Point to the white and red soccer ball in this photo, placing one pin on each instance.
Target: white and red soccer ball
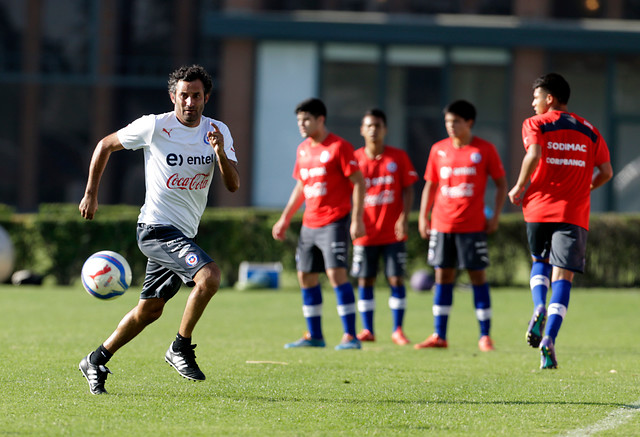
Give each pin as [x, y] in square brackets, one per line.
[106, 275]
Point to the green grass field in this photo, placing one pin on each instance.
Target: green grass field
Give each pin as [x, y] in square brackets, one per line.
[255, 387]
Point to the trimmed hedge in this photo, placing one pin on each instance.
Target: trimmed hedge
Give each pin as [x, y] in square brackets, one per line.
[55, 242]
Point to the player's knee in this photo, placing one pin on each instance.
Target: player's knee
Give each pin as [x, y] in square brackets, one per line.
[208, 279]
[149, 313]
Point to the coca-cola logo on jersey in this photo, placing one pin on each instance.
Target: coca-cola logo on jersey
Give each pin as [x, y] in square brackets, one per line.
[196, 182]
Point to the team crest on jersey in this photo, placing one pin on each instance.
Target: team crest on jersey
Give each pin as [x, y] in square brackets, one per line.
[192, 259]
[476, 157]
[206, 138]
[324, 156]
[392, 167]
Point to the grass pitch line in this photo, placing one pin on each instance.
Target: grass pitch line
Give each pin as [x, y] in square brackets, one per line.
[612, 421]
[267, 362]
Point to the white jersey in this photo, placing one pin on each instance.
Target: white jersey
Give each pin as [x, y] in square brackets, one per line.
[179, 164]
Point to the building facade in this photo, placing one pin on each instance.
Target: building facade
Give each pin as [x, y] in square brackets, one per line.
[76, 70]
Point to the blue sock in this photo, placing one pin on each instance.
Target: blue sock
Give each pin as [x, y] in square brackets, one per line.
[561, 291]
[442, 301]
[346, 307]
[482, 303]
[397, 304]
[539, 282]
[366, 306]
[312, 310]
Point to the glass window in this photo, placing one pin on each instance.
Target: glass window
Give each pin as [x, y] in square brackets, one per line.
[10, 153]
[626, 167]
[11, 27]
[587, 76]
[349, 86]
[480, 75]
[66, 38]
[627, 85]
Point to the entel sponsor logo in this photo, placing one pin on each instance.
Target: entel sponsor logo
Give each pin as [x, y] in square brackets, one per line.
[381, 180]
[173, 159]
[196, 182]
[567, 146]
[306, 173]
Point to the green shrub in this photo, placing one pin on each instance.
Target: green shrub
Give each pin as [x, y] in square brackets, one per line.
[55, 242]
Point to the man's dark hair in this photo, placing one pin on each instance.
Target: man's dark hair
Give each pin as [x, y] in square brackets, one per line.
[555, 85]
[461, 108]
[313, 106]
[378, 113]
[190, 73]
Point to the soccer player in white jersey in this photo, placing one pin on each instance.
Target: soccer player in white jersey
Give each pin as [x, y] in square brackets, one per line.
[181, 148]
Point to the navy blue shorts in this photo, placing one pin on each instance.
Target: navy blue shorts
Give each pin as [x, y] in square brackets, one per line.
[323, 248]
[467, 251]
[367, 258]
[564, 244]
[173, 259]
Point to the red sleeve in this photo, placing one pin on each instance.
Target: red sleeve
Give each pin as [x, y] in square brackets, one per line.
[348, 161]
[531, 133]
[602, 151]
[409, 174]
[431, 172]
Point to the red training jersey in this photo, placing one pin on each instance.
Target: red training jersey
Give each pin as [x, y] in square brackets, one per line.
[324, 171]
[460, 175]
[560, 190]
[385, 176]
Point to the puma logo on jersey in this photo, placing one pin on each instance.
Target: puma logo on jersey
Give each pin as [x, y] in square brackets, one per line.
[168, 132]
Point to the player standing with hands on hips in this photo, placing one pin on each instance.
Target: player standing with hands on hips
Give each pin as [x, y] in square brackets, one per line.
[389, 178]
[562, 151]
[181, 150]
[328, 181]
[457, 172]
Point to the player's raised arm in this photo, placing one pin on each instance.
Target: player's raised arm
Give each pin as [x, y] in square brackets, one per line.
[89, 203]
[228, 168]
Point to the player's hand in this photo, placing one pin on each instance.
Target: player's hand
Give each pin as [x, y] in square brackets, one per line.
[279, 230]
[516, 194]
[492, 225]
[357, 229]
[88, 207]
[401, 229]
[216, 139]
[424, 227]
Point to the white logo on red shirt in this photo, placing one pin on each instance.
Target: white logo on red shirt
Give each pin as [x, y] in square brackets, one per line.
[324, 156]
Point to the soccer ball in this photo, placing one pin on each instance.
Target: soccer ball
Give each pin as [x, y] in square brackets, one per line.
[106, 275]
[422, 280]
